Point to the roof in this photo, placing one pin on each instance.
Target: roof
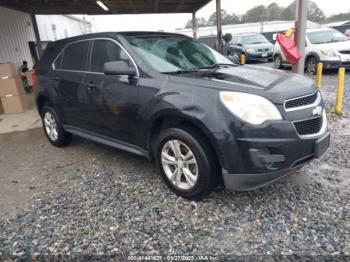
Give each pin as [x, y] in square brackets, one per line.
[114, 6]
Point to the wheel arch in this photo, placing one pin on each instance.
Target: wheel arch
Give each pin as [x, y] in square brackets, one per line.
[168, 120]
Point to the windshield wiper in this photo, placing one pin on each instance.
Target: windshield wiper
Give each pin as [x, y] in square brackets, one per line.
[178, 72]
[217, 65]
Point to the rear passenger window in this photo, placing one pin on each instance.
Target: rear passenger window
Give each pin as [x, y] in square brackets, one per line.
[75, 56]
[106, 51]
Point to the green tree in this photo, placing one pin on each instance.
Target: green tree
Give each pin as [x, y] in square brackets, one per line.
[256, 14]
[200, 22]
[338, 17]
[314, 13]
[273, 12]
[227, 19]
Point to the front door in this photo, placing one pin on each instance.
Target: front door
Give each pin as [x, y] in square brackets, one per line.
[113, 99]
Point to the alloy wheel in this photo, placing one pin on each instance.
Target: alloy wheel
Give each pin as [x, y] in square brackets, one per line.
[311, 66]
[179, 164]
[50, 126]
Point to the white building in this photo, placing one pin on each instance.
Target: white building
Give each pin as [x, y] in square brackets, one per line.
[263, 27]
[17, 38]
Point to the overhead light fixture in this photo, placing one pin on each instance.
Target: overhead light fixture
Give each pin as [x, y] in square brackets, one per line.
[102, 5]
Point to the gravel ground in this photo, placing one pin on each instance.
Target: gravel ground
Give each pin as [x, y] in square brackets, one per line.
[95, 200]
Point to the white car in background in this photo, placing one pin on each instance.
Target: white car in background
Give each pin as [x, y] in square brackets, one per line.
[325, 45]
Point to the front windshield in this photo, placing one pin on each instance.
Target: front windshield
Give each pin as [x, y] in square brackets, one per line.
[172, 53]
[254, 39]
[326, 36]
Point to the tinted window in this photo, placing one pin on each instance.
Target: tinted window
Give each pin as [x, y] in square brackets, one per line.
[254, 39]
[75, 56]
[106, 51]
[234, 40]
[58, 62]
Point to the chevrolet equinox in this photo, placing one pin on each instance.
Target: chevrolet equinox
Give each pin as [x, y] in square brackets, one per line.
[169, 98]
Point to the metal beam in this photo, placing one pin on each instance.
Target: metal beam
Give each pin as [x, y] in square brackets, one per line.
[219, 25]
[37, 36]
[194, 25]
[300, 26]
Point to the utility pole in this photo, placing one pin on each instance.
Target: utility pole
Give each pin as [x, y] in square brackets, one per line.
[300, 26]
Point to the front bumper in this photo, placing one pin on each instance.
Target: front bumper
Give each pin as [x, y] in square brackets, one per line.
[331, 64]
[259, 56]
[282, 159]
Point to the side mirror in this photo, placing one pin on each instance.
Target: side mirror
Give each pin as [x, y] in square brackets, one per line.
[227, 37]
[239, 44]
[119, 68]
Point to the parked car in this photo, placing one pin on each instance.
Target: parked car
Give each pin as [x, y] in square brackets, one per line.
[255, 47]
[325, 45]
[171, 99]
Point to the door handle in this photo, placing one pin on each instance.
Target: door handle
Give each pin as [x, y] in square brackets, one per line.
[91, 85]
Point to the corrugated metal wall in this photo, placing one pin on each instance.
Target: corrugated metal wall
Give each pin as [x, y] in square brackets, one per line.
[16, 30]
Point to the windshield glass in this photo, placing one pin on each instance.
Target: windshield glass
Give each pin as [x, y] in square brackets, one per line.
[254, 39]
[329, 36]
[168, 53]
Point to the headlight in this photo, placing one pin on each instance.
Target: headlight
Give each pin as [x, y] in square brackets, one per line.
[253, 109]
[327, 52]
[250, 50]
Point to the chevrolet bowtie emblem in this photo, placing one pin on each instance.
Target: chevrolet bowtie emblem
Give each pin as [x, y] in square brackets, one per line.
[317, 111]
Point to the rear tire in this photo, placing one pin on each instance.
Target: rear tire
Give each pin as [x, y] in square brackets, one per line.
[53, 128]
[186, 162]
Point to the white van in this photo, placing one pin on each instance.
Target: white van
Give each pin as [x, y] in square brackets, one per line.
[325, 45]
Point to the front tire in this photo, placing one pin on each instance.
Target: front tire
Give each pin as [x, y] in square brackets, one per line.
[186, 163]
[311, 65]
[277, 62]
[53, 128]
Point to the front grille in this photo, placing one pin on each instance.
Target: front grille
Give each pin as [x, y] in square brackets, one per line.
[347, 52]
[301, 101]
[263, 50]
[309, 127]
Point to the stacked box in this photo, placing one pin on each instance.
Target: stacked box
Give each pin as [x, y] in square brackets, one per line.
[13, 97]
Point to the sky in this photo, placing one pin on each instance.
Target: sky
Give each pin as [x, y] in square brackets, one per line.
[170, 22]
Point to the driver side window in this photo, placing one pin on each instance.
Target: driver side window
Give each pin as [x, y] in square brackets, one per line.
[106, 51]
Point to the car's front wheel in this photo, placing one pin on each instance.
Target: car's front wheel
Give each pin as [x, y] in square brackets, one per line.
[186, 163]
[311, 65]
[277, 61]
[53, 128]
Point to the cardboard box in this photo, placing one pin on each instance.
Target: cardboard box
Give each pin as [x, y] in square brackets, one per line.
[11, 86]
[14, 104]
[31, 78]
[8, 70]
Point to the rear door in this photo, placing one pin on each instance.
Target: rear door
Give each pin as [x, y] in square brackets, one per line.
[69, 72]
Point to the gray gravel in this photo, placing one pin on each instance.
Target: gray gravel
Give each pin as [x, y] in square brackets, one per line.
[104, 209]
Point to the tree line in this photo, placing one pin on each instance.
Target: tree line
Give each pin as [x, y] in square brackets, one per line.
[271, 12]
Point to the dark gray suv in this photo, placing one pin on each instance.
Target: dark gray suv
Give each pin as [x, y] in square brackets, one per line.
[171, 99]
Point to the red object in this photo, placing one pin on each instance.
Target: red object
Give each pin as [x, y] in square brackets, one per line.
[289, 47]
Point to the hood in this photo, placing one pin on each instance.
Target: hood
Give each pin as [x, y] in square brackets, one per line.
[345, 45]
[259, 46]
[273, 84]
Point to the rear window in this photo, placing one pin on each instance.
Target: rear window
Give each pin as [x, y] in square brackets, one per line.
[74, 57]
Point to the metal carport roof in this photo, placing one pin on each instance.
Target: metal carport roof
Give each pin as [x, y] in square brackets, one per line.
[114, 6]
